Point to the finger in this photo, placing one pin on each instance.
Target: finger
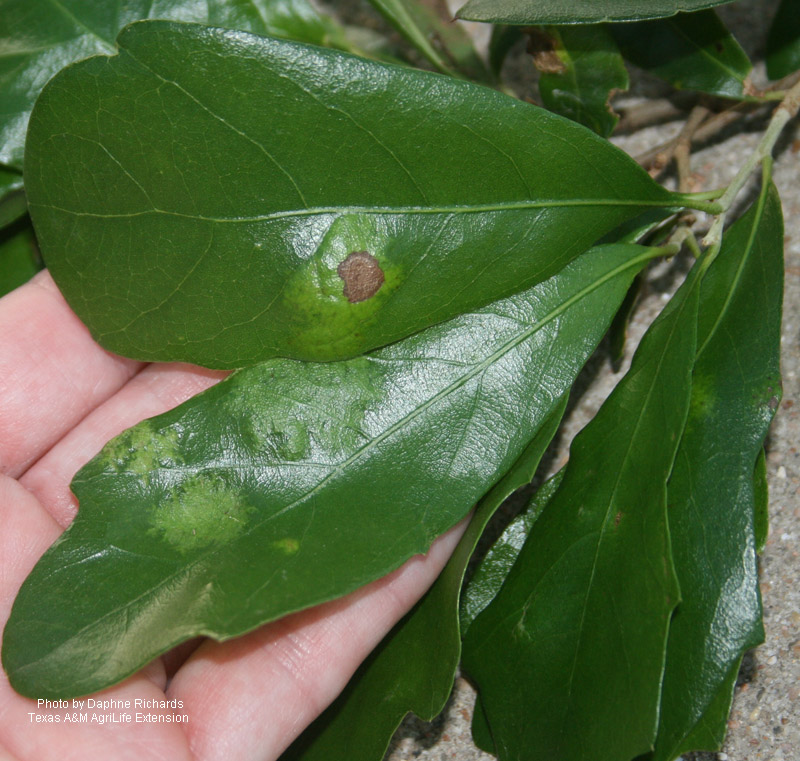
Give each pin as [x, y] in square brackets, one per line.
[252, 696]
[27, 532]
[51, 372]
[154, 390]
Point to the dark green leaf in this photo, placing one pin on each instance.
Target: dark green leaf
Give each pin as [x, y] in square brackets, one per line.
[40, 37]
[428, 26]
[581, 68]
[288, 483]
[691, 51]
[709, 732]
[12, 197]
[735, 390]
[184, 220]
[414, 667]
[576, 12]
[19, 260]
[618, 332]
[502, 40]
[493, 568]
[486, 581]
[761, 499]
[575, 638]
[783, 41]
[481, 731]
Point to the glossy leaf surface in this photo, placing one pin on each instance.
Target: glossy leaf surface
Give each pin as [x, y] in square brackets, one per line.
[690, 51]
[428, 26]
[576, 12]
[576, 636]
[494, 566]
[579, 74]
[223, 235]
[735, 391]
[485, 582]
[40, 37]
[413, 669]
[761, 498]
[709, 732]
[783, 41]
[288, 483]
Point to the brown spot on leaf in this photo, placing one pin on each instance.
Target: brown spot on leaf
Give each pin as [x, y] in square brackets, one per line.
[362, 275]
[542, 47]
[617, 519]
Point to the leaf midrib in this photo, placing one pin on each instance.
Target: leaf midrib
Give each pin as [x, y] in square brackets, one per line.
[400, 210]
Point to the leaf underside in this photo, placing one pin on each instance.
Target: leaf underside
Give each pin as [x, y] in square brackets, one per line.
[287, 484]
[527, 12]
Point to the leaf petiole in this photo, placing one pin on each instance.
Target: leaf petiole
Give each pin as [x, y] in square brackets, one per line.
[762, 155]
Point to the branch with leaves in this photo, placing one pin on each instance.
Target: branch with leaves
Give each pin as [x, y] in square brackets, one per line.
[407, 271]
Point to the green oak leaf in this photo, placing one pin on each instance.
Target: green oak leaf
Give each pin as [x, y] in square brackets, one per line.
[576, 636]
[690, 51]
[428, 27]
[502, 39]
[709, 731]
[185, 219]
[413, 669]
[735, 391]
[19, 256]
[783, 40]
[527, 12]
[489, 575]
[493, 568]
[581, 69]
[12, 197]
[39, 37]
[761, 499]
[287, 484]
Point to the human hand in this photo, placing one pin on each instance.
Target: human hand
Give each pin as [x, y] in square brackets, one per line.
[61, 398]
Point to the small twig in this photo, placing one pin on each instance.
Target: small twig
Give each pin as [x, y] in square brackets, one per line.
[711, 127]
[647, 114]
[786, 111]
[683, 147]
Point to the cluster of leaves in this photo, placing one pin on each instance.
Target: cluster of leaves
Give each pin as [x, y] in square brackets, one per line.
[407, 271]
